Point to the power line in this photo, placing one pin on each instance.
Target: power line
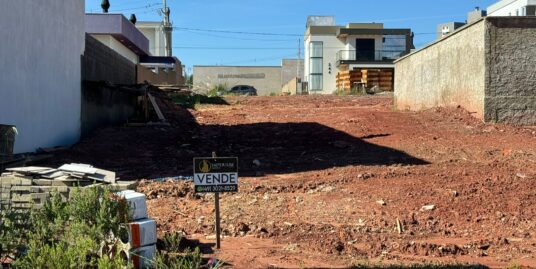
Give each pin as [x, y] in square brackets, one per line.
[241, 38]
[232, 48]
[233, 32]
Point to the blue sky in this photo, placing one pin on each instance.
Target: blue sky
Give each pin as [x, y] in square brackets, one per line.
[280, 17]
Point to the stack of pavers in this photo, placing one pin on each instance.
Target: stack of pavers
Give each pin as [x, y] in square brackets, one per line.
[142, 237]
[27, 187]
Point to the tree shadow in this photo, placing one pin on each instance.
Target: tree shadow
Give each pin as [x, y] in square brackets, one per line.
[280, 148]
[262, 148]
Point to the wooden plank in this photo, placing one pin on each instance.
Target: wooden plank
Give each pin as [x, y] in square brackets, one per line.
[156, 108]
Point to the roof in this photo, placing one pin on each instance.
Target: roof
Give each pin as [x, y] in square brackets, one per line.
[120, 28]
[369, 31]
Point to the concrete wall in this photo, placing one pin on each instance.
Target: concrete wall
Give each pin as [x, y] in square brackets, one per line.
[40, 89]
[105, 106]
[289, 70]
[511, 76]
[100, 63]
[266, 79]
[448, 72]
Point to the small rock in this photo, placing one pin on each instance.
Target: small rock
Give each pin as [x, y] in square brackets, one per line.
[381, 202]
[288, 224]
[521, 175]
[428, 207]
[266, 196]
[299, 199]
[328, 189]
[200, 220]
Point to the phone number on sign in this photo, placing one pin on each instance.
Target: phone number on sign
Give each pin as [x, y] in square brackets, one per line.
[217, 188]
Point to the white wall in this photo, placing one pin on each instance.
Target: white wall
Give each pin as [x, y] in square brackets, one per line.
[331, 45]
[40, 71]
[155, 34]
[509, 7]
[112, 43]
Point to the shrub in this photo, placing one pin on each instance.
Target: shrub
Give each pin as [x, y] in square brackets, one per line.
[69, 234]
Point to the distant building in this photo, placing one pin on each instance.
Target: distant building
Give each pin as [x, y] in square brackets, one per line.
[266, 79]
[476, 15]
[513, 8]
[447, 28]
[154, 31]
[331, 49]
[158, 68]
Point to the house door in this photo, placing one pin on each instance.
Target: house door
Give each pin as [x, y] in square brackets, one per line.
[365, 49]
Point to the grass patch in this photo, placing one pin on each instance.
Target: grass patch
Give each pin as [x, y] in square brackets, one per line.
[193, 100]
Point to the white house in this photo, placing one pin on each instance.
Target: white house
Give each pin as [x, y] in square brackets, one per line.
[513, 8]
[40, 89]
[154, 31]
[330, 48]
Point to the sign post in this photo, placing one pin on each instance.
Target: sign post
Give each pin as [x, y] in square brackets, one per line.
[216, 175]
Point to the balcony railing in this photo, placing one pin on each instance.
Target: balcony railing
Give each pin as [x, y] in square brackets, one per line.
[351, 56]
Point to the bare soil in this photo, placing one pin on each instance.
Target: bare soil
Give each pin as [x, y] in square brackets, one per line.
[325, 180]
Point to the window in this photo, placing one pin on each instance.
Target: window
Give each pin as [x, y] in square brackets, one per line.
[316, 62]
[530, 11]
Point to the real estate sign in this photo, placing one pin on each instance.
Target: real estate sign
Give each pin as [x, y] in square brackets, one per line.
[216, 174]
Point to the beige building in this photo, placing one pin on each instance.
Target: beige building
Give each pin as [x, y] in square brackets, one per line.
[266, 79]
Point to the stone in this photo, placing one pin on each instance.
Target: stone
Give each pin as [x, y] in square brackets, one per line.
[428, 207]
[381, 202]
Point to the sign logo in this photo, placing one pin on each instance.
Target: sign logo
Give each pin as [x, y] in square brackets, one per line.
[205, 166]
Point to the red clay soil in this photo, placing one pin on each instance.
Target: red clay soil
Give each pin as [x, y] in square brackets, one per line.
[324, 180]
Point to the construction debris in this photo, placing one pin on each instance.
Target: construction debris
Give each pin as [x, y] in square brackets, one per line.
[27, 187]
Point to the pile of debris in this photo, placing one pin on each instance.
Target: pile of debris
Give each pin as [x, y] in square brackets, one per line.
[27, 187]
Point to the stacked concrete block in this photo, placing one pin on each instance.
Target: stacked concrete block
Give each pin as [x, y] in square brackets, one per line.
[30, 187]
[141, 230]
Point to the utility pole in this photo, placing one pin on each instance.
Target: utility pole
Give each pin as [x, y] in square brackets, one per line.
[299, 58]
[168, 29]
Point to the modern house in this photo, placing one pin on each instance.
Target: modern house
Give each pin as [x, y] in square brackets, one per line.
[513, 8]
[119, 34]
[333, 51]
[40, 91]
[159, 68]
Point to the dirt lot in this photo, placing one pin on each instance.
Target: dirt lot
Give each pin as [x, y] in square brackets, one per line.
[324, 180]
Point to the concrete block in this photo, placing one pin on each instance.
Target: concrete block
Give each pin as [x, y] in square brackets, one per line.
[21, 188]
[26, 182]
[42, 182]
[40, 196]
[142, 233]
[142, 257]
[21, 198]
[24, 205]
[136, 202]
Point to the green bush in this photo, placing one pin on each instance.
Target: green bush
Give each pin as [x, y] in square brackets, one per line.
[218, 90]
[69, 234]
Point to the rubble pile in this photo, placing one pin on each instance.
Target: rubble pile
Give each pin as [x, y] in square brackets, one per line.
[27, 187]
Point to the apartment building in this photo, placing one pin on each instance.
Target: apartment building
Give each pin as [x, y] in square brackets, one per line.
[331, 49]
[513, 8]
